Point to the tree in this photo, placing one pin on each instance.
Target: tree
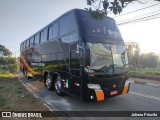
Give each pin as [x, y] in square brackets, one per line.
[7, 62]
[133, 52]
[137, 60]
[4, 51]
[149, 60]
[100, 8]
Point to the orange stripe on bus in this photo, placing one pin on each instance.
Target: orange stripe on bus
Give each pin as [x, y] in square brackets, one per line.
[100, 95]
[26, 64]
[125, 90]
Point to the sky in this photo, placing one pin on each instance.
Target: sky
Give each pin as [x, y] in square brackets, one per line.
[19, 19]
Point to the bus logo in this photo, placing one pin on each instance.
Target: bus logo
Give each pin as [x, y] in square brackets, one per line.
[6, 114]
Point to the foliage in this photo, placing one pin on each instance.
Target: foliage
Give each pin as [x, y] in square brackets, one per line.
[4, 51]
[133, 51]
[137, 60]
[8, 63]
[149, 60]
[2, 71]
[12, 67]
[100, 8]
[145, 72]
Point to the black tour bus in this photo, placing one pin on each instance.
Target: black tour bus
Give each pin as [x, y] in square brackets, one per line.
[78, 55]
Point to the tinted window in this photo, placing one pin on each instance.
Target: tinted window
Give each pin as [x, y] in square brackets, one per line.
[105, 27]
[55, 30]
[67, 24]
[27, 43]
[37, 39]
[74, 57]
[41, 37]
[31, 41]
[50, 32]
[21, 46]
[74, 60]
[45, 35]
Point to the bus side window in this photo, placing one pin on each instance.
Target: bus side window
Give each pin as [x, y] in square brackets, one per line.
[31, 41]
[21, 47]
[37, 38]
[41, 37]
[50, 29]
[67, 24]
[27, 43]
[55, 30]
[74, 60]
[45, 35]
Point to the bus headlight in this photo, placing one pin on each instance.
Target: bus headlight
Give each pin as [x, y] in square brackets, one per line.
[94, 86]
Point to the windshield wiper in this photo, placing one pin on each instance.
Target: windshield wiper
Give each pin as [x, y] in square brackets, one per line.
[101, 72]
[123, 58]
[107, 69]
[96, 70]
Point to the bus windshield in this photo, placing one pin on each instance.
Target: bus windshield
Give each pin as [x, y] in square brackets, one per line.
[107, 58]
[105, 27]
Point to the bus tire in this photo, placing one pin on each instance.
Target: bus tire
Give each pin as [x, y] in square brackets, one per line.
[26, 73]
[49, 82]
[58, 86]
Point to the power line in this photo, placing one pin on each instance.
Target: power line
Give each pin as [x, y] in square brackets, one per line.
[142, 20]
[139, 21]
[139, 16]
[138, 10]
[149, 17]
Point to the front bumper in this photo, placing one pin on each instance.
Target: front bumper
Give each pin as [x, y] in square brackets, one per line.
[103, 93]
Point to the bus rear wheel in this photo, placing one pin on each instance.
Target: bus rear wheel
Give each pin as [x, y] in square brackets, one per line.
[26, 73]
[49, 82]
[58, 86]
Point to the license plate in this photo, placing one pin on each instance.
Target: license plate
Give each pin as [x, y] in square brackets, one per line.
[114, 92]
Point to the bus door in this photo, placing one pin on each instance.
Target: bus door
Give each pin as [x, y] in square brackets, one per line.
[75, 61]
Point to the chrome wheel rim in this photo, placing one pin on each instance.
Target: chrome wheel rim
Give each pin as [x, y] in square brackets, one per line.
[48, 81]
[25, 73]
[58, 85]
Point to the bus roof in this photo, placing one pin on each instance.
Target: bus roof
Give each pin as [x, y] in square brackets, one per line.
[73, 11]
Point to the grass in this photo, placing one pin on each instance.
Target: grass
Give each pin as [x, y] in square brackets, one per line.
[2, 71]
[145, 72]
[15, 97]
[3, 101]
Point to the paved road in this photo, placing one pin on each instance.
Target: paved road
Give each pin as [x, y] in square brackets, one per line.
[140, 98]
